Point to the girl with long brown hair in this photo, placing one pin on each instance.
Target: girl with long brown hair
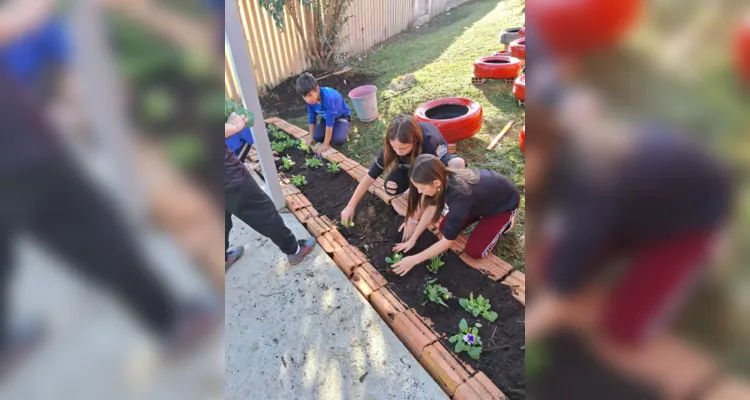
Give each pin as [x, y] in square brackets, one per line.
[405, 140]
[469, 195]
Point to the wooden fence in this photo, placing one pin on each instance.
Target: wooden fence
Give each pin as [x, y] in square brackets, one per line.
[278, 55]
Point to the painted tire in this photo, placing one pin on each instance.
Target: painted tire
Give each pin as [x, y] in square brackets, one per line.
[522, 139]
[522, 32]
[505, 53]
[518, 48]
[742, 51]
[497, 67]
[509, 35]
[519, 88]
[573, 28]
[457, 118]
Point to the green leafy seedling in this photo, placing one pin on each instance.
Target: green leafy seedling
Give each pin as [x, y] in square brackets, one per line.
[468, 339]
[436, 293]
[278, 146]
[394, 259]
[435, 264]
[299, 180]
[347, 225]
[303, 146]
[313, 162]
[277, 133]
[478, 306]
[333, 167]
[287, 163]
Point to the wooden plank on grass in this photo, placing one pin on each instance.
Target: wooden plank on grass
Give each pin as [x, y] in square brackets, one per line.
[500, 135]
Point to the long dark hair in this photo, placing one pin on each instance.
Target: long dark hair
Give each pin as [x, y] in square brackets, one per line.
[405, 129]
[426, 169]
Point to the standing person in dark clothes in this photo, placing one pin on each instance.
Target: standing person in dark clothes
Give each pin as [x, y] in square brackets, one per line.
[469, 195]
[405, 140]
[333, 128]
[248, 202]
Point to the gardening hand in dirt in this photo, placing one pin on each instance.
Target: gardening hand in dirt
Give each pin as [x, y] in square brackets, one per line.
[405, 265]
[347, 215]
[405, 246]
[322, 148]
[408, 228]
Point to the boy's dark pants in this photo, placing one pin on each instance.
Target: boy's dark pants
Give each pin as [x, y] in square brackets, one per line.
[248, 202]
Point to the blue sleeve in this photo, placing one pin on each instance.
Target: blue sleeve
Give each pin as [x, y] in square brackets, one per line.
[57, 42]
[311, 117]
[331, 112]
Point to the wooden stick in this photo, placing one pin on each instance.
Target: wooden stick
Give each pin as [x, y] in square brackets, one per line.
[345, 70]
[500, 135]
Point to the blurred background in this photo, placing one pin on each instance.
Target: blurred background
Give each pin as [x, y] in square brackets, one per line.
[683, 63]
[117, 97]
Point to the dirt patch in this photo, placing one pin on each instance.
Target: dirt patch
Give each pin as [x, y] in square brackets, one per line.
[283, 101]
[571, 372]
[376, 232]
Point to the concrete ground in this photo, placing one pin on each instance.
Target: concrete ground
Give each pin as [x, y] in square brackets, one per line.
[305, 332]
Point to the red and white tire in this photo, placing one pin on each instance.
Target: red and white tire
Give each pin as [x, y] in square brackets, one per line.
[522, 139]
[464, 117]
[518, 48]
[519, 88]
[497, 67]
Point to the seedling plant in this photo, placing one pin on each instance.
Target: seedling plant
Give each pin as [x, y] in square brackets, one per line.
[303, 146]
[436, 293]
[394, 259]
[313, 162]
[299, 180]
[277, 133]
[349, 224]
[468, 339]
[478, 306]
[435, 264]
[287, 163]
[333, 168]
[278, 146]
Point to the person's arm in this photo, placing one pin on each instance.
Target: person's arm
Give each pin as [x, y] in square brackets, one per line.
[230, 130]
[330, 116]
[427, 216]
[311, 119]
[20, 16]
[364, 184]
[235, 123]
[375, 171]
[407, 263]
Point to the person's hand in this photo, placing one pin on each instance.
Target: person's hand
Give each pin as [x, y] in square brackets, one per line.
[405, 246]
[237, 120]
[347, 214]
[403, 267]
[408, 228]
[322, 148]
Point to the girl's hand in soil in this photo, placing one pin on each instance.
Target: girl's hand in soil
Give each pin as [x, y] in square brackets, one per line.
[405, 265]
[347, 214]
[408, 228]
[404, 247]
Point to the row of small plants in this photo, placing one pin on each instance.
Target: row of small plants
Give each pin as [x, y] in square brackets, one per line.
[468, 337]
[281, 142]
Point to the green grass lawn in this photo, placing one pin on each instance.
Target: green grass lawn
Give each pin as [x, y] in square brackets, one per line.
[440, 55]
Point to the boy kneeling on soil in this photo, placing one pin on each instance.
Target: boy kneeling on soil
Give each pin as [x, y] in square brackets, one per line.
[469, 195]
[405, 140]
[333, 127]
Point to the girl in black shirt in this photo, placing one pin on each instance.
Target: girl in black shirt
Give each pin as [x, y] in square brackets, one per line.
[470, 196]
[404, 141]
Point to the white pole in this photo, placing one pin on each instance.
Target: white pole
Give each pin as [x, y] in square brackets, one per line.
[248, 90]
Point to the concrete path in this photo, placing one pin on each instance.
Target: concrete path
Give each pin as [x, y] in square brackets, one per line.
[305, 332]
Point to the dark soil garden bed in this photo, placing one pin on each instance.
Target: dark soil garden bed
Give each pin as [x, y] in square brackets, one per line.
[283, 101]
[375, 233]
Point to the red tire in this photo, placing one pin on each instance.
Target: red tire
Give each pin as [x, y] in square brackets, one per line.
[505, 53]
[573, 28]
[497, 67]
[522, 139]
[523, 31]
[457, 118]
[519, 88]
[742, 51]
[518, 48]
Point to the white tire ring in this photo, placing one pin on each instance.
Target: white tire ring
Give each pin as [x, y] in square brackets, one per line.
[509, 35]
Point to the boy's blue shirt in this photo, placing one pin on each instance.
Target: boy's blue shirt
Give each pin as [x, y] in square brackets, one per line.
[332, 106]
[28, 56]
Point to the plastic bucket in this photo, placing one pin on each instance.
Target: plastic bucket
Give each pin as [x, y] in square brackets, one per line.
[365, 101]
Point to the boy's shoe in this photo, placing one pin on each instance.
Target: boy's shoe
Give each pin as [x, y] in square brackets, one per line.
[233, 255]
[305, 247]
[196, 321]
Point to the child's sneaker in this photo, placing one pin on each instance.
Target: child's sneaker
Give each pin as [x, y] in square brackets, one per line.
[233, 255]
[305, 247]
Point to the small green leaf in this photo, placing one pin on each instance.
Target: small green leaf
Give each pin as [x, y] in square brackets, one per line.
[441, 302]
[463, 325]
[464, 303]
[460, 346]
[389, 260]
[478, 325]
[490, 316]
[475, 331]
[475, 352]
[452, 339]
[475, 312]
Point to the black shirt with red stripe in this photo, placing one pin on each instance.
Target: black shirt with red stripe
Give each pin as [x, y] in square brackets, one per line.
[492, 194]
